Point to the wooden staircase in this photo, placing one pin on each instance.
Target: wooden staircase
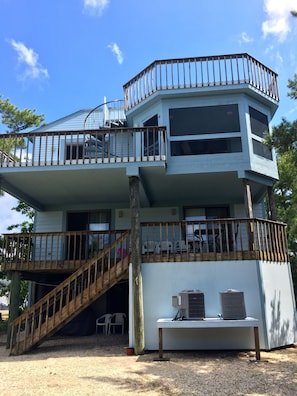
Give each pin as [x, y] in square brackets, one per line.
[70, 297]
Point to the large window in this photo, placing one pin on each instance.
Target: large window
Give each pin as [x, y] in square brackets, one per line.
[262, 149]
[206, 146]
[259, 123]
[259, 128]
[204, 120]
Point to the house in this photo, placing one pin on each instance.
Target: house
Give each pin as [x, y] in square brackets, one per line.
[172, 179]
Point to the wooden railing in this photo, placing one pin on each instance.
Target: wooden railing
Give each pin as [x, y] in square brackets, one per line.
[63, 251]
[111, 145]
[219, 239]
[199, 72]
[69, 298]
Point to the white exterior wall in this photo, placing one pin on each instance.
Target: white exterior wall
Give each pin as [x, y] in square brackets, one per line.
[48, 221]
[51, 248]
[258, 210]
[161, 281]
[278, 303]
[123, 216]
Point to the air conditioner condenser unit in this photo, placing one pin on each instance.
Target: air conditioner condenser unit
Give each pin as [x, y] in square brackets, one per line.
[232, 304]
[191, 304]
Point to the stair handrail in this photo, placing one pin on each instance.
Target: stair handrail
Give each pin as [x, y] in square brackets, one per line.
[15, 325]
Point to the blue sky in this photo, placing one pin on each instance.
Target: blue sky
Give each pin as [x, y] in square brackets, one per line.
[59, 56]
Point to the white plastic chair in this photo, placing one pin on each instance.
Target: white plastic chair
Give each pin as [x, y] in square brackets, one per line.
[149, 247]
[164, 247]
[104, 322]
[118, 319]
[181, 246]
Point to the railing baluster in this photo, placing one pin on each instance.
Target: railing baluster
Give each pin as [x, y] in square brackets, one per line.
[237, 68]
[213, 72]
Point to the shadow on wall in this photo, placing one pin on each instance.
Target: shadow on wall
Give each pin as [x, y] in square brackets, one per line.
[279, 329]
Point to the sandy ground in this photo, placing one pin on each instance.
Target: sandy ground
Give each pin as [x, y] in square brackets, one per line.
[99, 365]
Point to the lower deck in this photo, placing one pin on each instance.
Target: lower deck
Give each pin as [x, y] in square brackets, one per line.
[183, 241]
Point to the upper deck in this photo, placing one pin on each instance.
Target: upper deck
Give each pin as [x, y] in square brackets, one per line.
[186, 146]
[199, 73]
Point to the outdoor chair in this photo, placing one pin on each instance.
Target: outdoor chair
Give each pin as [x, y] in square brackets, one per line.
[104, 322]
[149, 247]
[164, 247]
[180, 246]
[118, 319]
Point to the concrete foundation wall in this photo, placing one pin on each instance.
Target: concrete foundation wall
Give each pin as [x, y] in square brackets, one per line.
[268, 297]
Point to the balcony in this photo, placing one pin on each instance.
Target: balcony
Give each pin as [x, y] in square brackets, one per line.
[199, 73]
[102, 146]
[60, 251]
[205, 240]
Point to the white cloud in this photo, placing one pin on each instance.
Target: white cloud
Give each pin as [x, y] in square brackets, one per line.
[275, 56]
[95, 7]
[245, 38]
[269, 49]
[117, 52]
[9, 217]
[292, 110]
[29, 59]
[279, 58]
[279, 18]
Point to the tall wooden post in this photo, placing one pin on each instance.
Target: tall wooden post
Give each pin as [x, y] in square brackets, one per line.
[247, 198]
[136, 266]
[14, 302]
[271, 203]
[249, 211]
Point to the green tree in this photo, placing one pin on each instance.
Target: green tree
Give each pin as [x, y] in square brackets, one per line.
[284, 140]
[26, 225]
[17, 120]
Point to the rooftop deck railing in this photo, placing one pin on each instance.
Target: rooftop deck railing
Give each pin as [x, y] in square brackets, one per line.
[199, 72]
[111, 145]
[203, 240]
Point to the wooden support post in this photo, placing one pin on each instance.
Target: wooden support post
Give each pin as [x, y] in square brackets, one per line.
[14, 302]
[271, 203]
[249, 211]
[136, 266]
[257, 342]
[160, 343]
[247, 198]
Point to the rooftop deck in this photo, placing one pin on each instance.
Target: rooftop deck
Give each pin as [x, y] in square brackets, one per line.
[200, 72]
